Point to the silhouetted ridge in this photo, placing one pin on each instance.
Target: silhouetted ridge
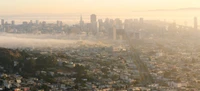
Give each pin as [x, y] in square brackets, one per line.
[9, 53]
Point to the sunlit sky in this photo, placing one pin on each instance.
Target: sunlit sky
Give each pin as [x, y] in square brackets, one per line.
[9, 7]
[72, 9]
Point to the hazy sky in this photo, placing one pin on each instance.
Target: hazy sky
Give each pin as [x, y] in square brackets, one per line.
[9, 7]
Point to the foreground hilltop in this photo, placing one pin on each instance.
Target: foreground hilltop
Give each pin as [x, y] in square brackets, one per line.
[8, 56]
[9, 53]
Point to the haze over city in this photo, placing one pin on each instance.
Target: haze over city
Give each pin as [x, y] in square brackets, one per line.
[99, 45]
[71, 10]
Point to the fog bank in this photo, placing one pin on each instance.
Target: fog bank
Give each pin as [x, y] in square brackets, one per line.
[37, 41]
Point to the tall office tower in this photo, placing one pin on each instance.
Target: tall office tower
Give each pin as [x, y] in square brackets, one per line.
[107, 24]
[141, 20]
[127, 24]
[81, 23]
[58, 23]
[112, 21]
[100, 25]
[119, 24]
[195, 23]
[31, 22]
[2, 22]
[24, 23]
[61, 26]
[114, 31]
[13, 22]
[61, 23]
[93, 20]
[141, 23]
[107, 21]
[37, 22]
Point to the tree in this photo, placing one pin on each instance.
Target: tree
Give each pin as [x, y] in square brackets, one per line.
[29, 65]
[45, 87]
[45, 61]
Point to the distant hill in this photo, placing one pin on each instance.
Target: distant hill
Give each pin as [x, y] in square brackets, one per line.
[179, 9]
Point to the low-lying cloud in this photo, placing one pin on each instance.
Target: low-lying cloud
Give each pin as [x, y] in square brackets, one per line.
[36, 41]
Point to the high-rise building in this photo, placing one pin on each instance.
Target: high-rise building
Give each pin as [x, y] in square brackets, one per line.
[44, 23]
[81, 23]
[141, 20]
[2, 22]
[100, 25]
[61, 23]
[25, 23]
[13, 22]
[31, 22]
[107, 25]
[119, 24]
[195, 23]
[107, 21]
[114, 31]
[58, 23]
[93, 18]
[37, 21]
[128, 24]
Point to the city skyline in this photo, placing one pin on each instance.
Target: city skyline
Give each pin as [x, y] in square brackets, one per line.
[99, 45]
[87, 19]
